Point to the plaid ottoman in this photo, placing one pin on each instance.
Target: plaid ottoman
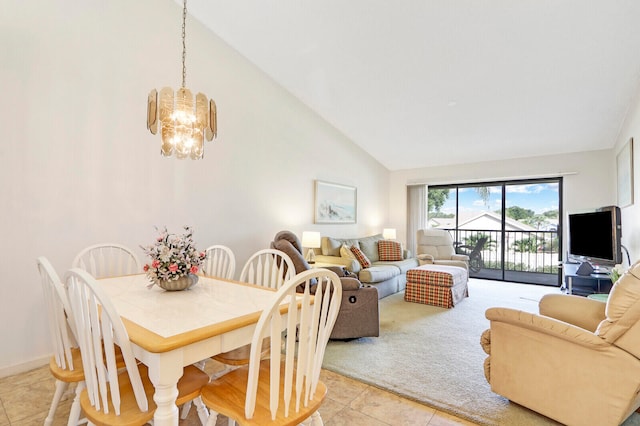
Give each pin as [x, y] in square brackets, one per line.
[436, 285]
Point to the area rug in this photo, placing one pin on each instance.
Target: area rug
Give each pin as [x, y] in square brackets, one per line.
[433, 355]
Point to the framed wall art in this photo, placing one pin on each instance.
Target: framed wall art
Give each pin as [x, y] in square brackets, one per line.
[335, 203]
[624, 167]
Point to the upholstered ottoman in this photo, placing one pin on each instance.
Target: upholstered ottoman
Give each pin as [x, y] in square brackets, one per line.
[436, 285]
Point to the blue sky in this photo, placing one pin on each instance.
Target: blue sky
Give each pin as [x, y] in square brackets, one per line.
[539, 197]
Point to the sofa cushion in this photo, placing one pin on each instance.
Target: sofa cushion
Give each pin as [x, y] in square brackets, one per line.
[376, 274]
[345, 251]
[402, 265]
[389, 251]
[362, 258]
[330, 246]
[623, 305]
[369, 246]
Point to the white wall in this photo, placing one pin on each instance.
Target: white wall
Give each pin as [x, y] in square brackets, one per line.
[631, 214]
[79, 166]
[589, 181]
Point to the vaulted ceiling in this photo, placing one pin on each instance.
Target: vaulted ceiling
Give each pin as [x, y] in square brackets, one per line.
[418, 83]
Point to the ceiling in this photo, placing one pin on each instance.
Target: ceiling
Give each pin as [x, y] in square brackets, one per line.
[423, 82]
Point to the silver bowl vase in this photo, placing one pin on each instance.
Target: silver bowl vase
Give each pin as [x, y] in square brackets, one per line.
[182, 283]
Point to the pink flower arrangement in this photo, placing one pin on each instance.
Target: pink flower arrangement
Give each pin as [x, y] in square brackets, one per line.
[172, 256]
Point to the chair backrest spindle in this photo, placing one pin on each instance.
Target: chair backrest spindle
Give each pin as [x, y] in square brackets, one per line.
[268, 268]
[219, 262]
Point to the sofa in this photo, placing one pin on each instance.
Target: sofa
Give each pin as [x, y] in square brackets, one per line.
[387, 276]
[358, 315]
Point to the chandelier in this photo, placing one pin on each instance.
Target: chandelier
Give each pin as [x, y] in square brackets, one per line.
[184, 123]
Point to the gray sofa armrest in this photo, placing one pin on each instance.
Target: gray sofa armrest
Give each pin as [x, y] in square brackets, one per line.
[350, 264]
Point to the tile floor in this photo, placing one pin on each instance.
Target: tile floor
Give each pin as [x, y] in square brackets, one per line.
[25, 399]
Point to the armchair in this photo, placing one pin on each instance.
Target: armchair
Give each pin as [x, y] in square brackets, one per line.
[578, 362]
[436, 246]
[358, 315]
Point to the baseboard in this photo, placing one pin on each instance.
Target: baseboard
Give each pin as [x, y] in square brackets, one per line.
[24, 367]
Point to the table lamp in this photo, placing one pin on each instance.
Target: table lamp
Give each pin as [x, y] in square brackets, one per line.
[311, 240]
[389, 233]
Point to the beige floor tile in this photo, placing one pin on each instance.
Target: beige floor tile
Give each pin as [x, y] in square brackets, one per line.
[9, 384]
[4, 420]
[443, 419]
[340, 388]
[34, 397]
[350, 417]
[392, 409]
[330, 407]
[193, 419]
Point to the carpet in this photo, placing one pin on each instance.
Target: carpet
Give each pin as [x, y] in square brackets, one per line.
[433, 355]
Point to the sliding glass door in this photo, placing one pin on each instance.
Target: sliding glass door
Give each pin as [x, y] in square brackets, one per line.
[510, 230]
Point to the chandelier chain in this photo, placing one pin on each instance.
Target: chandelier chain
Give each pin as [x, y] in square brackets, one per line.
[184, 45]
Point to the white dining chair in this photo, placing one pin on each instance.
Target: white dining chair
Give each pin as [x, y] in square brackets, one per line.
[219, 262]
[112, 395]
[107, 260]
[65, 364]
[268, 268]
[286, 388]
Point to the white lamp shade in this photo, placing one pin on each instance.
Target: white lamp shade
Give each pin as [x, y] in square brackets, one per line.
[388, 234]
[311, 239]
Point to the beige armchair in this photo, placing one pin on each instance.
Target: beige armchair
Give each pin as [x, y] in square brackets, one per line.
[436, 246]
[578, 362]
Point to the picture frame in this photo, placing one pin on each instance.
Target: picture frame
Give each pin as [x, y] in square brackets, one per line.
[335, 203]
[624, 168]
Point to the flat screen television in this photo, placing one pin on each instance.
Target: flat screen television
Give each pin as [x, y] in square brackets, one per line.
[594, 237]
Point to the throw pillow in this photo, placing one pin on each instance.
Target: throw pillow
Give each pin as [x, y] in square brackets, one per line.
[369, 246]
[345, 251]
[389, 251]
[362, 259]
[330, 246]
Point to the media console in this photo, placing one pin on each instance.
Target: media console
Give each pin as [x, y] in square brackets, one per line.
[584, 285]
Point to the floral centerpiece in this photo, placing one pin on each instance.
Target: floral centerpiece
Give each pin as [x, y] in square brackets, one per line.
[174, 260]
[616, 273]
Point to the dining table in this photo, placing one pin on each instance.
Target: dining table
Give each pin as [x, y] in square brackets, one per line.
[169, 330]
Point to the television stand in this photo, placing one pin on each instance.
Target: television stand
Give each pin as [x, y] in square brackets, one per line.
[584, 285]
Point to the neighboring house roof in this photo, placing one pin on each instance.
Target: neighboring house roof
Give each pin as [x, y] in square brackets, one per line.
[482, 221]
